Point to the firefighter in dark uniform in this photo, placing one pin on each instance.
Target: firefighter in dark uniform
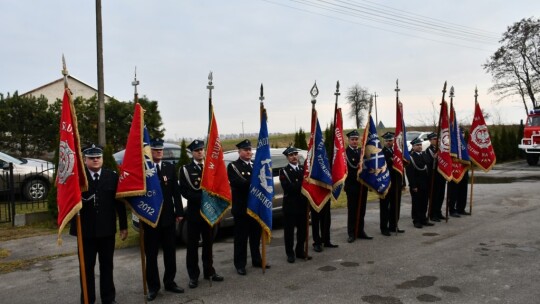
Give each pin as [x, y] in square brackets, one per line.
[98, 222]
[190, 186]
[295, 206]
[457, 195]
[439, 183]
[245, 227]
[390, 205]
[164, 234]
[353, 188]
[418, 175]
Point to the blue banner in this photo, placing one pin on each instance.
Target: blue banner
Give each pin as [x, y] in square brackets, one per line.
[405, 150]
[458, 146]
[374, 174]
[320, 173]
[148, 207]
[261, 189]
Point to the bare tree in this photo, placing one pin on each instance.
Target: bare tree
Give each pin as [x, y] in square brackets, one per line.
[515, 66]
[358, 98]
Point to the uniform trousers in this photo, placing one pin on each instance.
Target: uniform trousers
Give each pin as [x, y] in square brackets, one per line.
[246, 228]
[299, 221]
[153, 238]
[457, 194]
[352, 211]
[388, 213]
[419, 206]
[320, 225]
[103, 247]
[197, 228]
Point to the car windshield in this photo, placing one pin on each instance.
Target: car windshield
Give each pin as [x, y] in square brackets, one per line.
[534, 121]
[9, 159]
[412, 135]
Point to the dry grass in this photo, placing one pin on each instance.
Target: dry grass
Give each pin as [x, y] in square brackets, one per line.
[11, 266]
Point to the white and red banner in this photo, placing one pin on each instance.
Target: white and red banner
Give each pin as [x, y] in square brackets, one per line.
[479, 145]
[71, 177]
[444, 159]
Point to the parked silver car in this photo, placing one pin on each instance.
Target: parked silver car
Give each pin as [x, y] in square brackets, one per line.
[33, 177]
[171, 153]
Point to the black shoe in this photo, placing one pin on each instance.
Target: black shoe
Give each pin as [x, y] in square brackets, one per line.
[175, 289]
[215, 277]
[290, 259]
[193, 283]
[330, 245]
[435, 219]
[396, 230]
[259, 265]
[151, 296]
[365, 236]
[303, 257]
[417, 225]
[428, 224]
[385, 232]
[350, 239]
[454, 214]
[463, 213]
[317, 248]
[241, 271]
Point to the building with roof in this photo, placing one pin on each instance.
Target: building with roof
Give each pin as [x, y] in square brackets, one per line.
[55, 90]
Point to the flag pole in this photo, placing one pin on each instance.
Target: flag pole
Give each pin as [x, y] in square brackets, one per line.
[472, 163]
[396, 197]
[434, 167]
[135, 83]
[79, 226]
[333, 129]
[210, 87]
[360, 164]
[446, 188]
[314, 92]
[262, 112]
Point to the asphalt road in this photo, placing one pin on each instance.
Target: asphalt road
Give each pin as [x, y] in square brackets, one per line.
[489, 257]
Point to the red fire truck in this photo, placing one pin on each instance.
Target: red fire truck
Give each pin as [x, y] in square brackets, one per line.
[530, 143]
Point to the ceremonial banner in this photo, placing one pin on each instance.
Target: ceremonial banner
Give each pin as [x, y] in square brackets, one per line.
[374, 173]
[139, 182]
[261, 189]
[339, 163]
[71, 176]
[458, 149]
[401, 155]
[216, 191]
[317, 184]
[444, 160]
[479, 145]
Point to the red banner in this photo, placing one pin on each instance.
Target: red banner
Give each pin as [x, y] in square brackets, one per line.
[444, 159]
[71, 177]
[479, 144]
[215, 180]
[339, 163]
[132, 179]
[399, 143]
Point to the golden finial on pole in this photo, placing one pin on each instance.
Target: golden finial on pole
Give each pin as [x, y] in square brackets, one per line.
[64, 71]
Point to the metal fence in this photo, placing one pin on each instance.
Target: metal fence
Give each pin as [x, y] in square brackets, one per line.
[23, 192]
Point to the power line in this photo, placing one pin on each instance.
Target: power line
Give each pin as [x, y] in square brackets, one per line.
[412, 23]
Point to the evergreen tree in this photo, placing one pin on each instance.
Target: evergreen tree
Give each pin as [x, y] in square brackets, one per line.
[184, 157]
[300, 141]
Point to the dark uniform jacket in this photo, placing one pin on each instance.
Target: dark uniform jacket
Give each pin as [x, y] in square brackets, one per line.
[353, 159]
[294, 202]
[172, 201]
[190, 186]
[239, 173]
[395, 178]
[417, 171]
[100, 207]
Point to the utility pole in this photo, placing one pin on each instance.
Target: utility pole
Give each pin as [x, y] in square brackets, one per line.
[101, 90]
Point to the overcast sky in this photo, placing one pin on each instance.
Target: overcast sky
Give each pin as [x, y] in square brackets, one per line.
[286, 45]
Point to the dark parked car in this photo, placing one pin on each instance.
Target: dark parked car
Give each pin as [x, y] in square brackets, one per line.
[33, 177]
